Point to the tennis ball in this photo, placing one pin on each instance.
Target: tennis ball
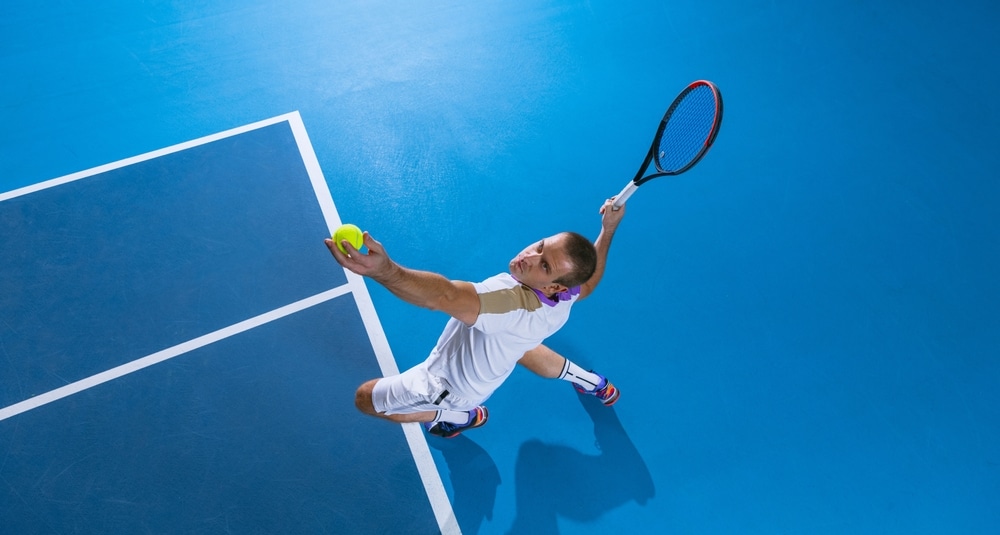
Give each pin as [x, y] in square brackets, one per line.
[348, 232]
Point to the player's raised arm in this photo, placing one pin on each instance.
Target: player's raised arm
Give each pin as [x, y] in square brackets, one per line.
[422, 288]
[610, 218]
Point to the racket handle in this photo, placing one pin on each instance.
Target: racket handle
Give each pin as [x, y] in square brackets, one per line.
[624, 195]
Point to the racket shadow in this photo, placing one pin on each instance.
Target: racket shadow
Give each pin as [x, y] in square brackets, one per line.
[553, 480]
[474, 478]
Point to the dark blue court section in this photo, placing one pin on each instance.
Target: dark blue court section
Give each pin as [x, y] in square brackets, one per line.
[113, 267]
[252, 434]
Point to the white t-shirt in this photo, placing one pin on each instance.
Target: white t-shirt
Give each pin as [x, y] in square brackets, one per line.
[513, 319]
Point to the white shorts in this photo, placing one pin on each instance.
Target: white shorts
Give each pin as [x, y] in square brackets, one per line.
[416, 390]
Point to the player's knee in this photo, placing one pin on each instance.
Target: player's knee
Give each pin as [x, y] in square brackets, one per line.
[363, 398]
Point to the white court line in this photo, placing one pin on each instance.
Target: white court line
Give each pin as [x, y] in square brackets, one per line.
[169, 353]
[440, 504]
[143, 157]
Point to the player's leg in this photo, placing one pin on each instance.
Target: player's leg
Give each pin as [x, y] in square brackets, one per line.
[544, 362]
[363, 401]
[417, 396]
[549, 364]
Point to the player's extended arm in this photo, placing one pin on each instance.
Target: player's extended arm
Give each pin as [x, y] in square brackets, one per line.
[422, 288]
[609, 224]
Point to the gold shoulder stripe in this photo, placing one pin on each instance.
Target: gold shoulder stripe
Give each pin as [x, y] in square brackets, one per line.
[509, 299]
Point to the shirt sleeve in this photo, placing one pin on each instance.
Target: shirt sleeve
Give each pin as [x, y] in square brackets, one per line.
[500, 309]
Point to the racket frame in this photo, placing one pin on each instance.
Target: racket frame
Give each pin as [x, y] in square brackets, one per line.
[651, 155]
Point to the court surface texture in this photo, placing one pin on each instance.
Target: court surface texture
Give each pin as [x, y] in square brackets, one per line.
[804, 327]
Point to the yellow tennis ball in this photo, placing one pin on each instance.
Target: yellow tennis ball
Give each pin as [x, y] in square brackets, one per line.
[351, 233]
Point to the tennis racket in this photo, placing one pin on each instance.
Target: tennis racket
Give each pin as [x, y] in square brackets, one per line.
[686, 132]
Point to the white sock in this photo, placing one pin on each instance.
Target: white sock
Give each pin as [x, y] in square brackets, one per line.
[575, 374]
[453, 417]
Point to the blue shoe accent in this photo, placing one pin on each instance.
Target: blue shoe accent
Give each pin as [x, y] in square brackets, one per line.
[478, 417]
[605, 391]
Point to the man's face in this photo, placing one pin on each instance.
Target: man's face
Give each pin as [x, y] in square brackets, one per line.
[541, 263]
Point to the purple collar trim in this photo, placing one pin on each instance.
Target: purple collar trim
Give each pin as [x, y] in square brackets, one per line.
[555, 299]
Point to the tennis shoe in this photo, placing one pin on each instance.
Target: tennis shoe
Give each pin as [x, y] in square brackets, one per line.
[605, 391]
[478, 417]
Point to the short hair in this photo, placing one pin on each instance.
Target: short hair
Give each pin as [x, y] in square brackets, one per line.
[583, 255]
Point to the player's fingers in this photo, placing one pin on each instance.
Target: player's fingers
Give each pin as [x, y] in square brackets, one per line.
[349, 247]
[332, 246]
[371, 243]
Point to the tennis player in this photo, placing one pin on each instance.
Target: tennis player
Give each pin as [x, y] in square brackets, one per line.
[495, 324]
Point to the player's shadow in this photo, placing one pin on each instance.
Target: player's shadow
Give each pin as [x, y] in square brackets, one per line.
[474, 478]
[552, 480]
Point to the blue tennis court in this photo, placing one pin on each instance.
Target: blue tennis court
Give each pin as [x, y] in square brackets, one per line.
[195, 380]
[804, 327]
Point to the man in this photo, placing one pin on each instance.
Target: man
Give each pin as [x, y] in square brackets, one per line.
[494, 325]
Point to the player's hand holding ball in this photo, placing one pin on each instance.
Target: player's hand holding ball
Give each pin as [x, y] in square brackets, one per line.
[374, 263]
[350, 233]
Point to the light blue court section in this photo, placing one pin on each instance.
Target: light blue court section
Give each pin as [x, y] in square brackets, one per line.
[181, 352]
[804, 327]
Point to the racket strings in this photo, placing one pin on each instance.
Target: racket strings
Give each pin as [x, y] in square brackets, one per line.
[687, 130]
